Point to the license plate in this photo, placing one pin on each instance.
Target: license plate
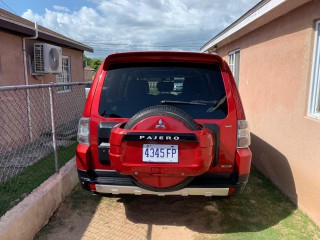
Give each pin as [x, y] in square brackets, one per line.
[160, 153]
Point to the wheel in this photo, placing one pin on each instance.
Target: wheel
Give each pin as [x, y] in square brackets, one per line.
[181, 116]
[162, 110]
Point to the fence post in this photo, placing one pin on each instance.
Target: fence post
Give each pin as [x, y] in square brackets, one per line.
[53, 125]
[29, 115]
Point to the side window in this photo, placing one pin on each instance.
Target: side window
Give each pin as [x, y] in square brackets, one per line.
[65, 75]
[234, 64]
[314, 97]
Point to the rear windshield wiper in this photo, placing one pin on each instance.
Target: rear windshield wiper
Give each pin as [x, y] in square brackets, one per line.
[183, 102]
[218, 104]
[105, 114]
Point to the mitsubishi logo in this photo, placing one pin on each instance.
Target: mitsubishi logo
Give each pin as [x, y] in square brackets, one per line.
[160, 125]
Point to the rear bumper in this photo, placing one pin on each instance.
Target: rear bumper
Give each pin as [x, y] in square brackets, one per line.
[209, 184]
[140, 191]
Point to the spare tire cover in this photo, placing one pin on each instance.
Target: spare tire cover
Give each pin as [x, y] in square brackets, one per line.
[171, 183]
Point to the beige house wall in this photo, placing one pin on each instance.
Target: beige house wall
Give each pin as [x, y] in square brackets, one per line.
[13, 104]
[275, 74]
[11, 58]
[88, 74]
[12, 66]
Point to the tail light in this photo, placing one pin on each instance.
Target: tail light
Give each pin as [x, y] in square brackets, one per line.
[243, 135]
[231, 191]
[83, 131]
[92, 187]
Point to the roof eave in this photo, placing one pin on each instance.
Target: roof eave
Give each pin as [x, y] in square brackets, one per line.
[26, 30]
[262, 13]
[62, 41]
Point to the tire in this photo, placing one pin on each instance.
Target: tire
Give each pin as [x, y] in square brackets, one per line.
[161, 110]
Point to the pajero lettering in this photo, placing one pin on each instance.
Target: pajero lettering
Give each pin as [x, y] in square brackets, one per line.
[160, 138]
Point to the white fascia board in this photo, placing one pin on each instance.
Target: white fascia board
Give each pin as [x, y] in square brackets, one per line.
[44, 32]
[64, 38]
[239, 24]
[15, 22]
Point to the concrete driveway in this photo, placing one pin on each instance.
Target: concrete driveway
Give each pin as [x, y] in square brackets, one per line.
[261, 212]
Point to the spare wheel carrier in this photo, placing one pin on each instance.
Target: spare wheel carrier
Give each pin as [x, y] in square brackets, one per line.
[161, 127]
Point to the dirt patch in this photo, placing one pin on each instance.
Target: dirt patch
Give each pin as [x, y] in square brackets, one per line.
[120, 218]
[261, 212]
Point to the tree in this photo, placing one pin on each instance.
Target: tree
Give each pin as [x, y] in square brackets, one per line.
[92, 62]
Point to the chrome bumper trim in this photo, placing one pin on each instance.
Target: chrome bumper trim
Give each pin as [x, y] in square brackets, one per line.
[208, 192]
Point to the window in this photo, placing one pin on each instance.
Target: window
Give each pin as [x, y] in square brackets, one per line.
[234, 63]
[314, 98]
[197, 89]
[65, 75]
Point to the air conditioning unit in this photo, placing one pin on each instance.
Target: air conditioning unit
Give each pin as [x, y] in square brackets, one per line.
[47, 59]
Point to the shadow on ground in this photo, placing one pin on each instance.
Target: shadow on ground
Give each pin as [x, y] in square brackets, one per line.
[274, 165]
[85, 216]
[261, 206]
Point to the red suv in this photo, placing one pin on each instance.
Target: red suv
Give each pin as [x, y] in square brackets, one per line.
[164, 123]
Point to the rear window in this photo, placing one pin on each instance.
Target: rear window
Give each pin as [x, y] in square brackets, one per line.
[197, 89]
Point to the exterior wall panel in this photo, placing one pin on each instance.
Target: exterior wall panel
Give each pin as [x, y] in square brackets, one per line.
[275, 74]
[11, 60]
[15, 115]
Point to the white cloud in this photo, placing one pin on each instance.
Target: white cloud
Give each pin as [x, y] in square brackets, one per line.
[29, 14]
[124, 25]
[61, 8]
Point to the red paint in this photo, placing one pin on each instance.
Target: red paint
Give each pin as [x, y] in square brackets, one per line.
[243, 161]
[231, 191]
[83, 157]
[92, 187]
[194, 158]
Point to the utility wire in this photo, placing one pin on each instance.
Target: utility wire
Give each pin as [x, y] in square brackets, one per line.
[9, 8]
[135, 45]
[106, 46]
[173, 42]
[142, 49]
[106, 42]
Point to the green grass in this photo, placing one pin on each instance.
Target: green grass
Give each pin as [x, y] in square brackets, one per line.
[18, 187]
[263, 212]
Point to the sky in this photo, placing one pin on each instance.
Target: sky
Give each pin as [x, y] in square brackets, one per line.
[133, 25]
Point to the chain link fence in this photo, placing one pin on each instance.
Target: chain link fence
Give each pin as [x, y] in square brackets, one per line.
[38, 128]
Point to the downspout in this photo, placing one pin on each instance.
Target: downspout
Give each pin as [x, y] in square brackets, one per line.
[26, 75]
